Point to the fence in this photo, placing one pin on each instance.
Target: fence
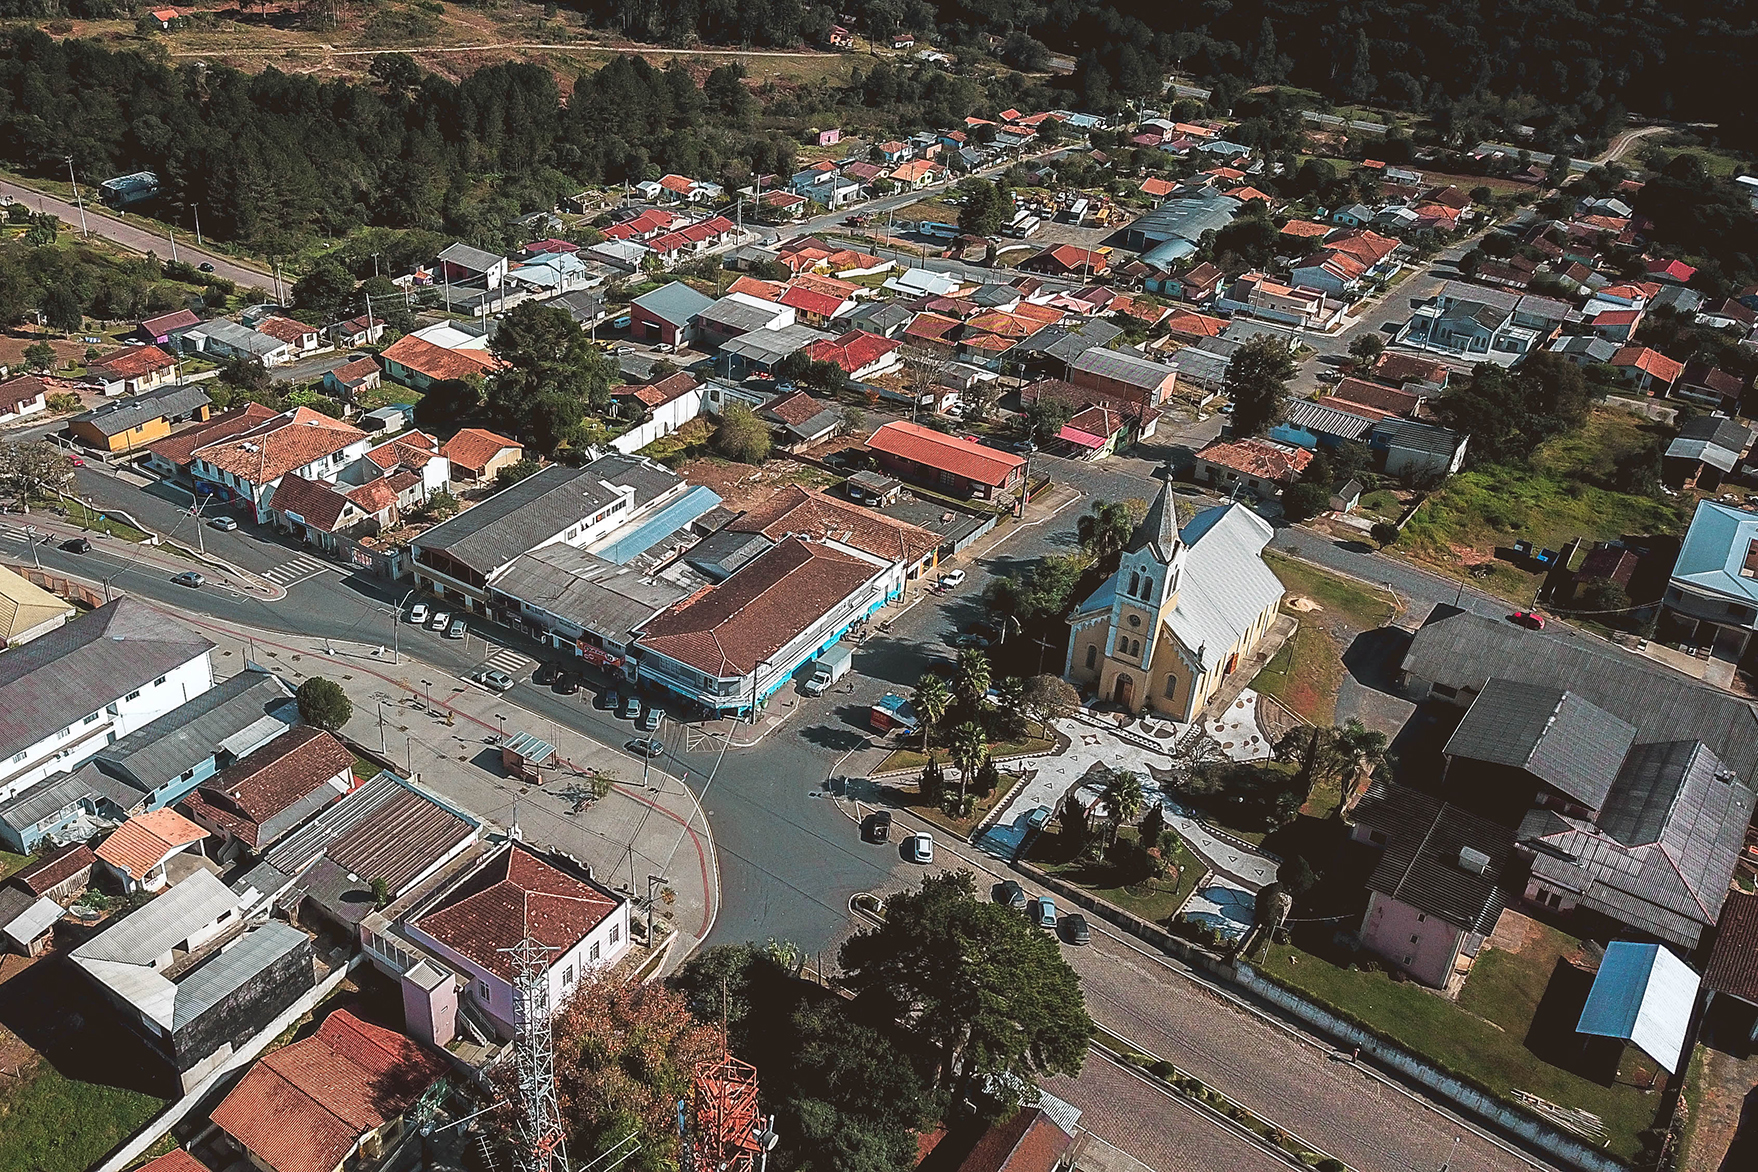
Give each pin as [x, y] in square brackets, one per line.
[75, 592]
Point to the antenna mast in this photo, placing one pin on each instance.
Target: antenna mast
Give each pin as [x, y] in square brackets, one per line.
[541, 1145]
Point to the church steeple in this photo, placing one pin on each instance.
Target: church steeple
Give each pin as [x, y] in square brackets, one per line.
[1158, 531]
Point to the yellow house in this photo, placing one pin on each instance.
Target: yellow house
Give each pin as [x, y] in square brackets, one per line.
[128, 425]
[1184, 608]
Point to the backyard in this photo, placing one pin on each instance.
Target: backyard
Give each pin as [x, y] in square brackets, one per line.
[1307, 672]
[1154, 900]
[1511, 1028]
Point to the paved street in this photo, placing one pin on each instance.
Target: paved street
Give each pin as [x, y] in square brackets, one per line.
[133, 232]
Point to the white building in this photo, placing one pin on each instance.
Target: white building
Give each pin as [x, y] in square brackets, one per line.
[68, 694]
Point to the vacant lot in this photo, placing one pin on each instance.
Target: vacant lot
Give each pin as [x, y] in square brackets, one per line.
[1308, 671]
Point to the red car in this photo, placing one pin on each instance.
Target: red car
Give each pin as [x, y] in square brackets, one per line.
[1527, 618]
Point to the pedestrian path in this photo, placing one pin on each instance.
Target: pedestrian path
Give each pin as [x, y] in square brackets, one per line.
[507, 660]
[296, 569]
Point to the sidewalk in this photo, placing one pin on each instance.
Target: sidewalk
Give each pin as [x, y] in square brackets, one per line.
[445, 731]
[19, 532]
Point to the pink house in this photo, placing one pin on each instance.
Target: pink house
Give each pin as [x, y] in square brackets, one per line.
[1437, 891]
[829, 137]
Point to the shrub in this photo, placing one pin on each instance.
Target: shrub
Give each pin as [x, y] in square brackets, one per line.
[323, 703]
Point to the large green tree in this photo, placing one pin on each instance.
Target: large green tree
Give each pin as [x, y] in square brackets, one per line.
[989, 995]
[1257, 383]
[1508, 414]
[551, 378]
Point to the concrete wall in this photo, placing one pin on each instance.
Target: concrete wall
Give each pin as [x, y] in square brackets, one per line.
[204, 1044]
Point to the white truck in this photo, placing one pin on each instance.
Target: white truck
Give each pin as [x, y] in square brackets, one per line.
[832, 664]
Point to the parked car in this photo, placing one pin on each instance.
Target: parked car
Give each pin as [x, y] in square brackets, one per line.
[566, 682]
[663, 348]
[1038, 818]
[621, 323]
[1529, 619]
[76, 461]
[546, 674]
[206, 266]
[1011, 895]
[610, 701]
[650, 719]
[631, 707]
[919, 847]
[440, 621]
[647, 748]
[876, 827]
[969, 639]
[224, 524]
[1044, 912]
[77, 545]
[1075, 930]
[494, 679]
[418, 614]
[951, 578]
[457, 630]
[190, 579]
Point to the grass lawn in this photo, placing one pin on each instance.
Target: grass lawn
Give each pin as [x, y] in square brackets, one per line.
[1154, 900]
[1382, 503]
[1305, 674]
[388, 394]
[98, 522]
[910, 756]
[10, 863]
[1558, 498]
[54, 1124]
[1361, 606]
[1488, 1036]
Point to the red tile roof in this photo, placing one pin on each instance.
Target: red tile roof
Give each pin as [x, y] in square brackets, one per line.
[166, 322]
[317, 504]
[55, 868]
[131, 362]
[1733, 963]
[1255, 457]
[142, 842]
[1398, 368]
[1364, 245]
[1194, 325]
[728, 629]
[438, 362]
[550, 245]
[1069, 258]
[974, 462]
[753, 287]
[931, 327]
[177, 1159]
[241, 797]
[178, 448]
[1028, 1142]
[19, 393]
[811, 301]
[1651, 362]
[795, 408]
[672, 386]
[516, 892]
[796, 510]
[1677, 270]
[356, 372]
[412, 449]
[1617, 317]
[1389, 399]
[855, 350]
[304, 1106]
[473, 447]
[286, 329]
[282, 444]
[678, 184]
[1097, 422]
[1157, 187]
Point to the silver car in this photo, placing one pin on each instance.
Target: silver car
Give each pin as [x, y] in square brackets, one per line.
[457, 629]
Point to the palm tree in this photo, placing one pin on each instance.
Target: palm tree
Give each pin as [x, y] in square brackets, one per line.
[931, 700]
[969, 749]
[1123, 799]
[1105, 529]
[971, 678]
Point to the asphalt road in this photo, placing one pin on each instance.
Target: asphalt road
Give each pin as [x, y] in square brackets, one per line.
[133, 232]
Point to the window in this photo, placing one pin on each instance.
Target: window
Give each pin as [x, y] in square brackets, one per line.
[1171, 687]
[482, 990]
[1407, 962]
[1092, 658]
[1134, 582]
[1377, 837]
[158, 681]
[1422, 917]
[1414, 939]
[616, 933]
[92, 719]
[568, 975]
[19, 756]
[593, 953]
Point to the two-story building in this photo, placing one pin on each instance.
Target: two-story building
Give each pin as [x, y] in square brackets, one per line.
[1711, 601]
[1477, 323]
[249, 466]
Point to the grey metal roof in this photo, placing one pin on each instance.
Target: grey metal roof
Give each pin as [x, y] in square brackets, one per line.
[1123, 368]
[237, 337]
[1423, 863]
[489, 535]
[58, 678]
[145, 935]
[1713, 439]
[1198, 364]
[33, 920]
[59, 792]
[1593, 349]
[719, 554]
[1185, 218]
[675, 303]
[1566, 742]
[199, 729]
[767, 347]
[127, 414]
[231, 969]
[739, 315]
[1417, 436]
[1463, 650]
[594, 594]
[880, 317]
[1322, 420]
[465, 257]
[1477, 295]
[583, 307]
[1068, 342]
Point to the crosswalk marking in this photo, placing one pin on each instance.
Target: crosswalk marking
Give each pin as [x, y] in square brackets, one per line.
[296, 569]
[8, 533]
[507, 660]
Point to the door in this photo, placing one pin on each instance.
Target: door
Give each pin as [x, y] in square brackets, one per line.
[1124, 692]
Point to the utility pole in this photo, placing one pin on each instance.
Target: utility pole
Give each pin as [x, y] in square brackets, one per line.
[651, 880]
[172, 233]
[77, 201]
[381, 728]
[196, 208]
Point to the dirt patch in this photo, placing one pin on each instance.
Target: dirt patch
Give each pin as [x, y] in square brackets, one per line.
[1512, 933]
[741, 486]
[1303, 605]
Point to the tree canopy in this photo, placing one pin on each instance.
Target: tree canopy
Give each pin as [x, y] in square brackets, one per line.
[1257, 382]
[552, 375]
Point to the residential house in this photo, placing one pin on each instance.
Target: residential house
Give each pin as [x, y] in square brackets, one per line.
[913, 551]
[667, 314]
[728, 647]
[1706, 449]
[1616, 325]
[26, 922]
[187, 977]
[1421, 453]
[1711, 601]
[222, 339]
[1584, 350]
[1484, 324]
[1264, 467]
[859, 354]
[27, 611]
[461, 263]
[301, 442]
[25, 395]
[948, 464]
[1099, 431]
[171, 456]
[471, 924]
[1440, 884]
[1675, 272]
[1030, 1140]
[668, 403]
[917, 174]
[1068, 260]
[477, 455]
[131, 370]
[802, 421]
[139, 850]
[302, 338]
[59, 873]
[1381, 399]
[330, 516]
[271, 790]
[1728, 314]
[67, 694]
[337, 1098]
[1312, 425]
[1129, 384]
[1710, 385]
[352, 379]
[1255, 295]
[159, 331]
[1649, 370]
[438, 354]
[364, 330]
[1188, 604]
[126, 425]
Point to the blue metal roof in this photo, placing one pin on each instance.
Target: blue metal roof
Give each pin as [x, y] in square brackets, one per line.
[1642, 994]
[670, 519]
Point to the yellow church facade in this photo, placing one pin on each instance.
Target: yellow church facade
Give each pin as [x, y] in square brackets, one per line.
[1184, 609]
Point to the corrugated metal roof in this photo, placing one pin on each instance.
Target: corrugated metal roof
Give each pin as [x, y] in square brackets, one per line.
[1123, 368]
[187, 735]
[143, 936]
[1561, 739]
[1423, 863]
[233, 967]
[1642, 994]
[1322, 420]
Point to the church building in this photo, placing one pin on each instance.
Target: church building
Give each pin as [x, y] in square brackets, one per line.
[1181, 612]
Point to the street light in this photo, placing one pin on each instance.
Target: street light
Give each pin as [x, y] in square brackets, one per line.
[427, 696]
[397, 629]
[651, 880]
[78, 202]
[502, 717]
[381, 727]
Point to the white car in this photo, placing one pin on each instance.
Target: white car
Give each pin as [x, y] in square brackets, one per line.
[418, 613]
[494, 679]
[952, 578]
[440, 621]
[919, 848]
[224, 524]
